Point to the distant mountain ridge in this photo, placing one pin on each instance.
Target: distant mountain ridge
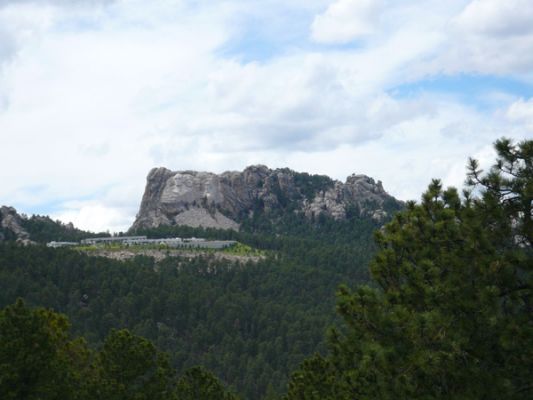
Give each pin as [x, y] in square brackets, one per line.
[37, 228]
[223, 201]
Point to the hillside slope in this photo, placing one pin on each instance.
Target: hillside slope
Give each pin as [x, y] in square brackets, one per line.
[37, 228]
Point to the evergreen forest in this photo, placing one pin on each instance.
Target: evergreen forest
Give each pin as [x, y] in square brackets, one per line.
[435, 304]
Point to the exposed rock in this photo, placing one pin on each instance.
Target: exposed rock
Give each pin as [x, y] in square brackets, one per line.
[200, 217]
[204, 199]
[159, 255]
[359, 190]
[329, 202]
[11, 223]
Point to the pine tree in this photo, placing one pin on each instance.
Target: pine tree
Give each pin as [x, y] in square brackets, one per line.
[37, 356]
[131, 368]
[450, 315]
[198, 383]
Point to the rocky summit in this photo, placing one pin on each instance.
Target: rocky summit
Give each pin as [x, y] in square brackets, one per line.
[11, 226]
[223, 201]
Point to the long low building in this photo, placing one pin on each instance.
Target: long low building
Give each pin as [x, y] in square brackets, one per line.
[183, 243]
[62, 244]
[111, 239]
[189, 243]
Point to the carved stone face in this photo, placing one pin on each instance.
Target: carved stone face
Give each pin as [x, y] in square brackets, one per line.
[187, 188]
[205, 199]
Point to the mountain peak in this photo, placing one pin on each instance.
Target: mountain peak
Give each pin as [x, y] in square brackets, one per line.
[206, 199]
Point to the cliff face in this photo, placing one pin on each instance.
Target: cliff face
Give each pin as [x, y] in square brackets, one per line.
[11, 226]
[221, 201]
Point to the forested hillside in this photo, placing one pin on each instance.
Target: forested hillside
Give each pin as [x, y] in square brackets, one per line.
[451, 315]
[40, 359]
[38, 228]
[250, 324]
[43, 229]
[446, 312]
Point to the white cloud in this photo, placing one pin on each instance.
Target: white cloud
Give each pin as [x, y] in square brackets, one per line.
[78, 101]
[346, 20]
[94, 216]
[521, 110]
[489, 37]
[521, 113]
[94, 97]
[497, 17]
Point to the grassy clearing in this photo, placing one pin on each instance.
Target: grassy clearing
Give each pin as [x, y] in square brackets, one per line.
[238, 249]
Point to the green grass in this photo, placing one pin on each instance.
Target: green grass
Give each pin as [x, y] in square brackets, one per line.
[241, 249]
[238, 249]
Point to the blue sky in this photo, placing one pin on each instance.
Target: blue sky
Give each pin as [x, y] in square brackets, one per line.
[95, 94]
[478, 90]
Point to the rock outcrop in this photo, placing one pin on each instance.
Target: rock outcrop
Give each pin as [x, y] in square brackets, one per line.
[359, 190]
[204, 199]
[11, 226]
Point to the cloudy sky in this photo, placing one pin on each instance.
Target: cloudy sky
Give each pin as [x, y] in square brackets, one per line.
[94, 93]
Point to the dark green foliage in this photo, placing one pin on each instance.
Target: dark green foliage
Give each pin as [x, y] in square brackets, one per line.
[7, 234]
[316, 379]
[130, 368]
[198, 383]
[250, 324]
[311, 259]
[39, 360]
[448, 315]
[310, 185]
[36, 354]
[452, 315]
[341, 246]
[43, 229]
